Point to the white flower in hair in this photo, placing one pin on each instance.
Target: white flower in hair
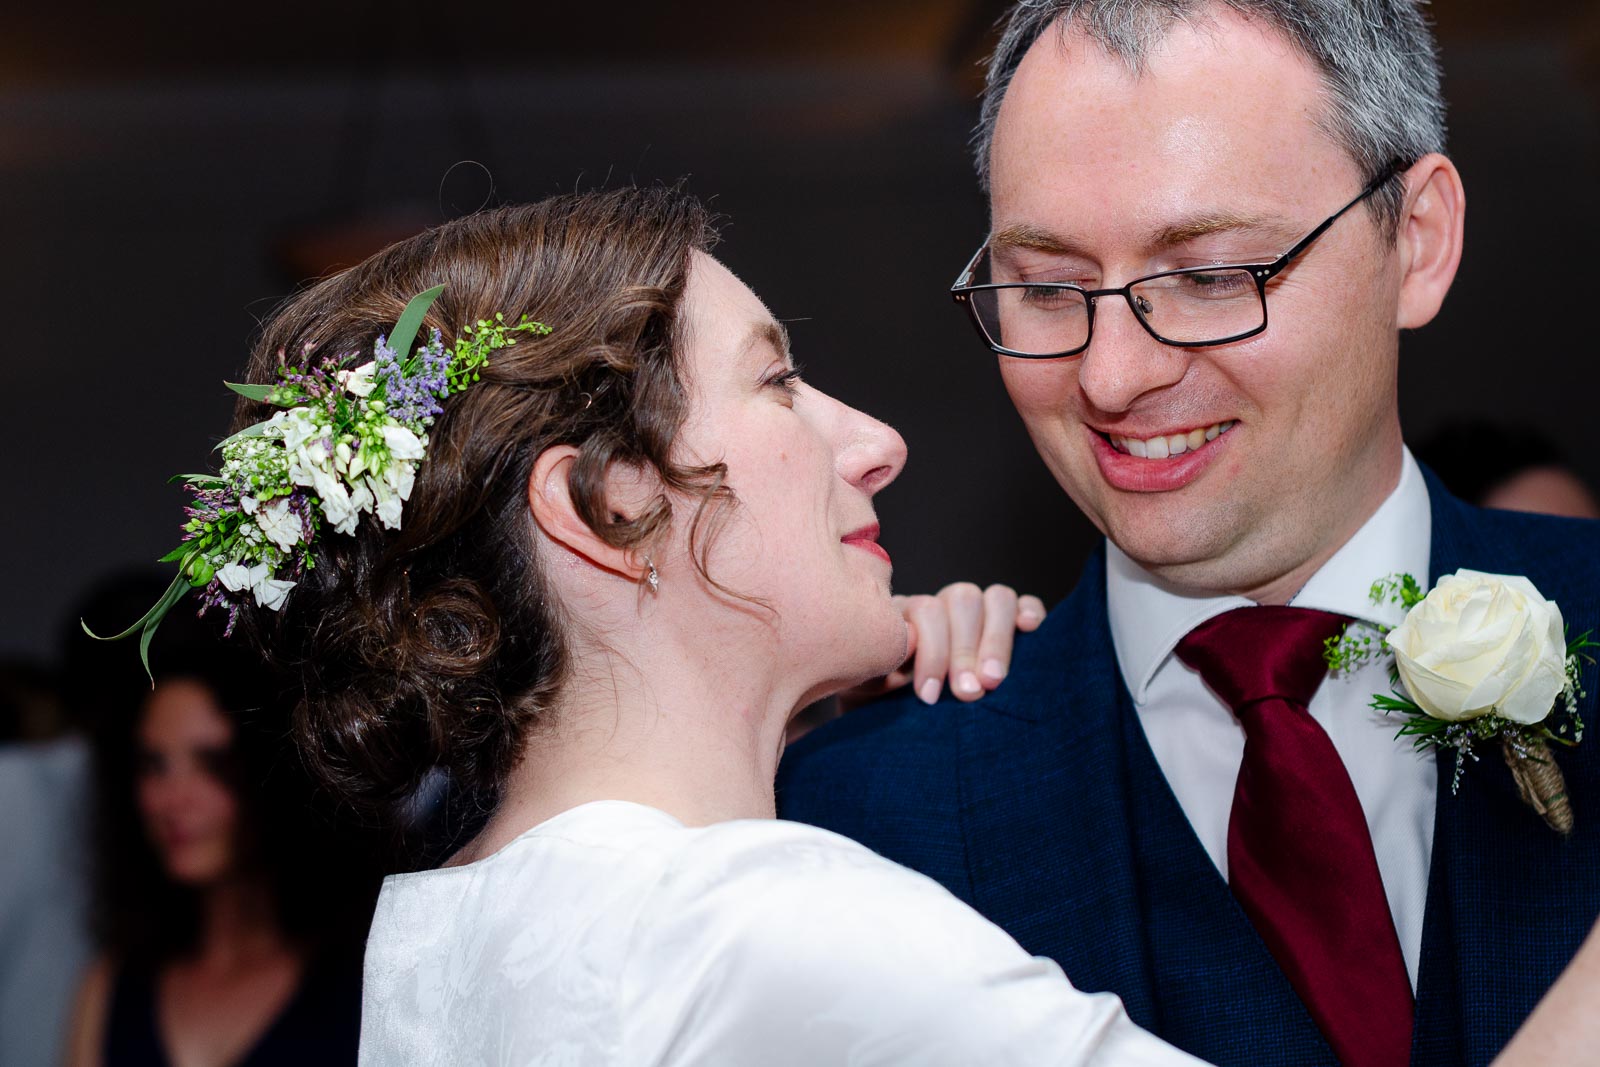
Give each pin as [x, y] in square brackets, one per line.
[338, 508]
[389, 503]
[401, 477]
[270, 592]
[344, 443]
[359, 382]
[236, 577]
[403, 444]
[279, 522]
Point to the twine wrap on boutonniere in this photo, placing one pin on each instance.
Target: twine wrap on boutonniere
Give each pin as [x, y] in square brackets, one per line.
[1480, 658]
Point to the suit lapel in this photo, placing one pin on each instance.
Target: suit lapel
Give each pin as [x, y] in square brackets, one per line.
[1077, 846]
[1043, 815]
[1509, 900]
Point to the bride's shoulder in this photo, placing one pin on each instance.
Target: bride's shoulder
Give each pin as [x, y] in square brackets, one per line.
[770, 884]
[756, 931]
[774, 853]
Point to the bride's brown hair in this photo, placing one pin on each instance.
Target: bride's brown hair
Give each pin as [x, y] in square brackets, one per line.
[439, 645]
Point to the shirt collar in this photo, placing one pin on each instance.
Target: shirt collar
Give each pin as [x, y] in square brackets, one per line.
[1149, 617]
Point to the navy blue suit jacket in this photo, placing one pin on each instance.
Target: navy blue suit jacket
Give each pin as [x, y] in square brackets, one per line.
[1042, 806]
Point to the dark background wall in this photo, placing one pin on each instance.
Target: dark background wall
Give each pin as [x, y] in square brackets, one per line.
[165, 178]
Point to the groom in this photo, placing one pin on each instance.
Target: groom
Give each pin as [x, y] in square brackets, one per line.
[1168, 795]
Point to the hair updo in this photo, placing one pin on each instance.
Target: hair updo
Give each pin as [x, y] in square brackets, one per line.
[439, 645]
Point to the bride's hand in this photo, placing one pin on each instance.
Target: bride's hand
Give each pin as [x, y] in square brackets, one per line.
[962, 634]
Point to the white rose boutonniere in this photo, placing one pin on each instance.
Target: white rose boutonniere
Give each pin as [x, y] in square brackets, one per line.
[1481, 657]
[1481, 643]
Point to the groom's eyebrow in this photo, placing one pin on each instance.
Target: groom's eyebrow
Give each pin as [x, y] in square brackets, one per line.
[1179, 232]
[1205, 224]
[1023, 235]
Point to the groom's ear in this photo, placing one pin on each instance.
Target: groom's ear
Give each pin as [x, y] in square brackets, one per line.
[554, 508]
[1432, 221]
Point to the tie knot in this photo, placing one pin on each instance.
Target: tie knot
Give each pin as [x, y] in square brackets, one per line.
[1252, 654]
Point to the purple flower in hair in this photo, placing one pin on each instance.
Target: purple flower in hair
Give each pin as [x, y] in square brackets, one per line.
[414, 399]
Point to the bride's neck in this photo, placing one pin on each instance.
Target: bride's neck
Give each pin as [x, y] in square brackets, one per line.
[690, 727]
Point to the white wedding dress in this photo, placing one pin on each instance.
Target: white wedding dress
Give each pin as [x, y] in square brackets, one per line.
[613, 934]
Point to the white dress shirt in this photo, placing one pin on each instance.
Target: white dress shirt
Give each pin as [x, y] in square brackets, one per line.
[1199, 744]
[613, 934]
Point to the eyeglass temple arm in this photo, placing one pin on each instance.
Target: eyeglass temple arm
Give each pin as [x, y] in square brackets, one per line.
[965, 277]
[1394, 167]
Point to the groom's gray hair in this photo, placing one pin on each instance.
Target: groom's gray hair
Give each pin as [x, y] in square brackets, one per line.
[1378, 61]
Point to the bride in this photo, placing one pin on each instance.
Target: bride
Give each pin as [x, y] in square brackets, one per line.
[636, 545]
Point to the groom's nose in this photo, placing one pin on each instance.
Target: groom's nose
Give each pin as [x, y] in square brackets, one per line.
[1123, 362]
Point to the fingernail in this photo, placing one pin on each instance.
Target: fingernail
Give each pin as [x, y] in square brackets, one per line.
[1032, 616]
[994, 670]
[967, 682]
[929, 691]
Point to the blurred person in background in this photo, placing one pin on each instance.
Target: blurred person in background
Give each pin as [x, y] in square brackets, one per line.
[229, 927]
[44, 821]
[1512, 468]
[43, 939]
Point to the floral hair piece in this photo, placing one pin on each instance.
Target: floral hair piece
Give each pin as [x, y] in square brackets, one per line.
[345, 443]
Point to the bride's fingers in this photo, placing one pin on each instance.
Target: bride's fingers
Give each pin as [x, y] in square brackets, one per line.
[966, 607]
[1030, 613]
[1001, 615]
[927, 617]
[963, 632]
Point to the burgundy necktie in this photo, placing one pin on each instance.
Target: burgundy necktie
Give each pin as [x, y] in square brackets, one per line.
[1300, 859]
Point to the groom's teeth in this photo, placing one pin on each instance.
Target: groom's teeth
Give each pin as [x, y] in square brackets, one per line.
[1169, 445]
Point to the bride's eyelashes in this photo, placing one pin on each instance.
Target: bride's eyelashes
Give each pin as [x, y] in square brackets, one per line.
[787, 379]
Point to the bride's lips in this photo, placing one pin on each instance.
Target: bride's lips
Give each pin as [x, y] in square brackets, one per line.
[867, 538]
[1140, 474]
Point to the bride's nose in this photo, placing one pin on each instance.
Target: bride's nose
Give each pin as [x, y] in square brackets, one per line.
[871, 453]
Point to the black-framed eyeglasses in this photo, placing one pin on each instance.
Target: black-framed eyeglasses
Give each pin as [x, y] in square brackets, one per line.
[1188, 308]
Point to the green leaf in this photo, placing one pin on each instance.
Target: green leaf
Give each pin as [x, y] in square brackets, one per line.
[196, 479]
[146, 626]
[1420, 727]
[254, 430]
[176, 554]
[252, 392]
[410, 321]
[175, 592]
[180, 583]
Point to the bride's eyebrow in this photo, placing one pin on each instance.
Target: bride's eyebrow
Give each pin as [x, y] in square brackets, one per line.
[772, 333]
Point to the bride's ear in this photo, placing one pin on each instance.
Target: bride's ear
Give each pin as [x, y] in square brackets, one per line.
[552, 506]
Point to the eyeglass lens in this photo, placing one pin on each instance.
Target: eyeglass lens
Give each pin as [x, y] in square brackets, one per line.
[1193, 307]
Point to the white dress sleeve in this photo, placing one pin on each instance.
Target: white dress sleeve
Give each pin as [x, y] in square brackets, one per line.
[778, 944]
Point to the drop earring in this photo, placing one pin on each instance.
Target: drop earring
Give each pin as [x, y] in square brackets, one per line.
[652, 578]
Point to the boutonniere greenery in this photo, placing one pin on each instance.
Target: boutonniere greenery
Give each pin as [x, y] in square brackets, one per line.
[1480, 658]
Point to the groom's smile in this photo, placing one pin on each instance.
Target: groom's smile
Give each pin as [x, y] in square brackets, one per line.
[1158, 462]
